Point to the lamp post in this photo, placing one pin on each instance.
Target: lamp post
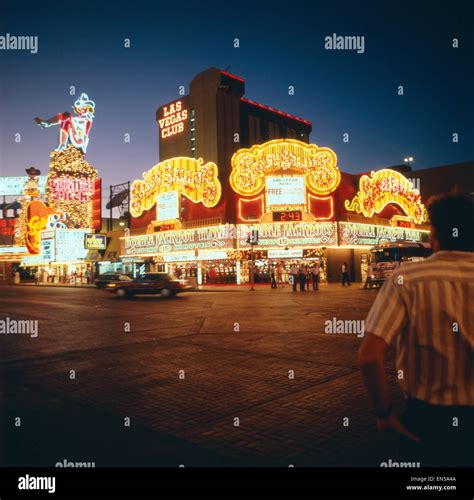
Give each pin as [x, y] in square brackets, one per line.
[408, 160]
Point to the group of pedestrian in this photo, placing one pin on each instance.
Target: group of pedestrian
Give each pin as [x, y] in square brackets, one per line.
[305, 276]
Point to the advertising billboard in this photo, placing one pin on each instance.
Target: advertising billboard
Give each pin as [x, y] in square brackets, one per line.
[167, 206]
[13, 186]
[95, 241]
[289, 190]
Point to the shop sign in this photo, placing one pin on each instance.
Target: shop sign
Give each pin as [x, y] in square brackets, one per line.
[190, 177]
[184, 257]
[13, 186]
[95, 241]
[351, 233]
[173, 119]
[37, 217]
[12, 249]
[382, 188]
[291, 253]
[65, 188]
[291, 234]
[214, 237]
[217, 255]
[192, 257]
[318, 166]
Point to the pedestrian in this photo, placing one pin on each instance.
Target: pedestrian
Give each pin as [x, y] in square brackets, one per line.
[315, 276]
[294, 276]
[279, 275]
[88, 276]
[302, 277]
[345, 274]
[308, 277]
[37, 277]
[273, 277]
[426, 307]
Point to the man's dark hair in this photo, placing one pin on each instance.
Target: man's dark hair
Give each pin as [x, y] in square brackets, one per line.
[452, 216]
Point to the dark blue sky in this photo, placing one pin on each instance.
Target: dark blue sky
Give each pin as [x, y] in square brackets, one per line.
[281, 44]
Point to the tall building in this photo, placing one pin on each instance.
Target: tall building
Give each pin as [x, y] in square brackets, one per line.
[215, 120]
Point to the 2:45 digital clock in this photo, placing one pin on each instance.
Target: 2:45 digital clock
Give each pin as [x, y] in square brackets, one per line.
[290, 216]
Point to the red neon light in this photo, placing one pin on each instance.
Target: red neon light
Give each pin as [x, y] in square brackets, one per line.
[232, 76]
[293, 117]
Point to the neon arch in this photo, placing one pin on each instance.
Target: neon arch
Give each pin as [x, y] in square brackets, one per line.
[382, 188]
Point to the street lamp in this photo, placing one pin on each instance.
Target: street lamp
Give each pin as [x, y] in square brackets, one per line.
[408, 160]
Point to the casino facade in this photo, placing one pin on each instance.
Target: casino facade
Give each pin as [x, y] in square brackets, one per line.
[231, 169]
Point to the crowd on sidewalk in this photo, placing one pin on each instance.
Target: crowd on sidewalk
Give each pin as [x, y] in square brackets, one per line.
[302, 276]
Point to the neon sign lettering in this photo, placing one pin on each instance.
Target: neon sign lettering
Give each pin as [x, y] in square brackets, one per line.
[284, 156]
[37, 219]
[382, 188]
[66, 188]
[173, 119]
[191, 177]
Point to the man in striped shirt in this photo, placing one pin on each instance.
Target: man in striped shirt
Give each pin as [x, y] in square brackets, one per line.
[427, 308]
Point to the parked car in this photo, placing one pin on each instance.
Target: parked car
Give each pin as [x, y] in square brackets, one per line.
[104, 279]
[151, 283]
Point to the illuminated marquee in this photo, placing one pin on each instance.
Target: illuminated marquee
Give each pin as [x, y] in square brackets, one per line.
[213, 237]
[189, 176]
[276, 235]
[382, 188]
[353, 233]
[173, 119]
[284, 156]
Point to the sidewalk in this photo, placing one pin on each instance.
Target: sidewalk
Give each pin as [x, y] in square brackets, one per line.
[61, 285]
[245, 287]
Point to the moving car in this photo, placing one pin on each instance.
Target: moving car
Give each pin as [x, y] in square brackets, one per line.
[151, 283]
[104, 279]
[386, 257]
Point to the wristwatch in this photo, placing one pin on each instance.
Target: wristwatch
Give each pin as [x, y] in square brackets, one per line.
[384, 413]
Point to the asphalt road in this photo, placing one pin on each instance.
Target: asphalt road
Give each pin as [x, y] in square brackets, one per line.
[208, 378]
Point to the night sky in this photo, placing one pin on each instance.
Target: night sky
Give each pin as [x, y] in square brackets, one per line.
[281, 44]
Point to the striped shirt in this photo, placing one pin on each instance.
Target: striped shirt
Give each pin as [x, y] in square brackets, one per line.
[428, 308]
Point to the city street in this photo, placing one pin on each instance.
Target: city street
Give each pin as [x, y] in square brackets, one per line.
[226, 377]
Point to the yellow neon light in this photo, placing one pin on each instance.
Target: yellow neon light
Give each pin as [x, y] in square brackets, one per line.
[191, 177]
[325, 198]
[286, 156]
[382, 188]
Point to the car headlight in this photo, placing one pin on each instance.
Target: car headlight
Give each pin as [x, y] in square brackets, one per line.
[111, 285]
[372, 276]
